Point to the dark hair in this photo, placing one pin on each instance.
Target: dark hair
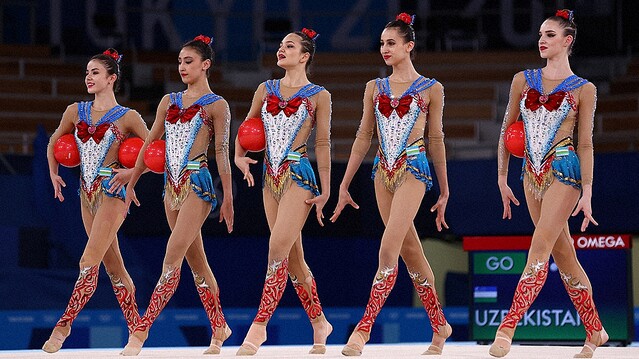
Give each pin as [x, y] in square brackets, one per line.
[308, 45]
[107, 58]
[204, 49]
[569, 25]
[406, 31]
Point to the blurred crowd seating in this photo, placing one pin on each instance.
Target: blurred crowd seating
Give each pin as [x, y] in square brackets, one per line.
[37, 87]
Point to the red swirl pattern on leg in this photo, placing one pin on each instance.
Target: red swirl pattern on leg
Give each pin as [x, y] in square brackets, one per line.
[310, 303]
[527, 290]
[161, 295]
[82, 292]
[382, 286]
[274, 286]
[211, 303]
[428, 295]
[127, 302]
[584, 304]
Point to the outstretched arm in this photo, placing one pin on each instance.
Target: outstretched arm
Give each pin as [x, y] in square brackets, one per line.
[437, 151]
[323, 152]
[585, 151]
[222, 125]
[360, 148]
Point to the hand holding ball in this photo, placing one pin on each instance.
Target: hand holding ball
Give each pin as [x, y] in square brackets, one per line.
[251, 135]
[514, 139]
[66, 152]
[154, 156]
[129, 150]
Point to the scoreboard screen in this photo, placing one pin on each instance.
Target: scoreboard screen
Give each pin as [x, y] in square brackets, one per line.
[496, 264]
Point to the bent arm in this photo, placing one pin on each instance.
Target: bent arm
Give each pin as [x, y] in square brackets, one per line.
[510, 116]
[67, 123]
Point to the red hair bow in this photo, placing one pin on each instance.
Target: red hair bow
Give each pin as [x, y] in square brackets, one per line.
[565, 13]
[275, 105]
[535, 100]
[310, 33]
[204, 39]
[386, 105]
[405, 18]
[113, 54]
[174, 113]
[85, 132]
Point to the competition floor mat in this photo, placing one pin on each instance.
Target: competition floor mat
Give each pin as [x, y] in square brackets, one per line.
[452, 350]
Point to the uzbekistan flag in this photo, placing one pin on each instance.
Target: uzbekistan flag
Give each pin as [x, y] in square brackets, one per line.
[485, 295]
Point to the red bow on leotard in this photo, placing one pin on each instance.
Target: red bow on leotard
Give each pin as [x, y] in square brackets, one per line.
[534, 100]
[386, 105]
[175, 113]
[84, 131]
[274, 105]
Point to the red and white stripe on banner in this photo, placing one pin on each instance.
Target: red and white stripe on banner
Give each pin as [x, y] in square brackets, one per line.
[581, 241]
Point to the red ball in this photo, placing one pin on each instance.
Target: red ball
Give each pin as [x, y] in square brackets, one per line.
[251, 135]
[154, 156]
[515, 138]
[129, 150]
[66, 152]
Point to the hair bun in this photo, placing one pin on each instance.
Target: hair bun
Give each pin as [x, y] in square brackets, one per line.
[112, 53]
[406, 18]
[310, 33]
[565, 14]
[205, 39]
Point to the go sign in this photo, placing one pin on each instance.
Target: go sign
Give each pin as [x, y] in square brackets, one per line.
[499, 262]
